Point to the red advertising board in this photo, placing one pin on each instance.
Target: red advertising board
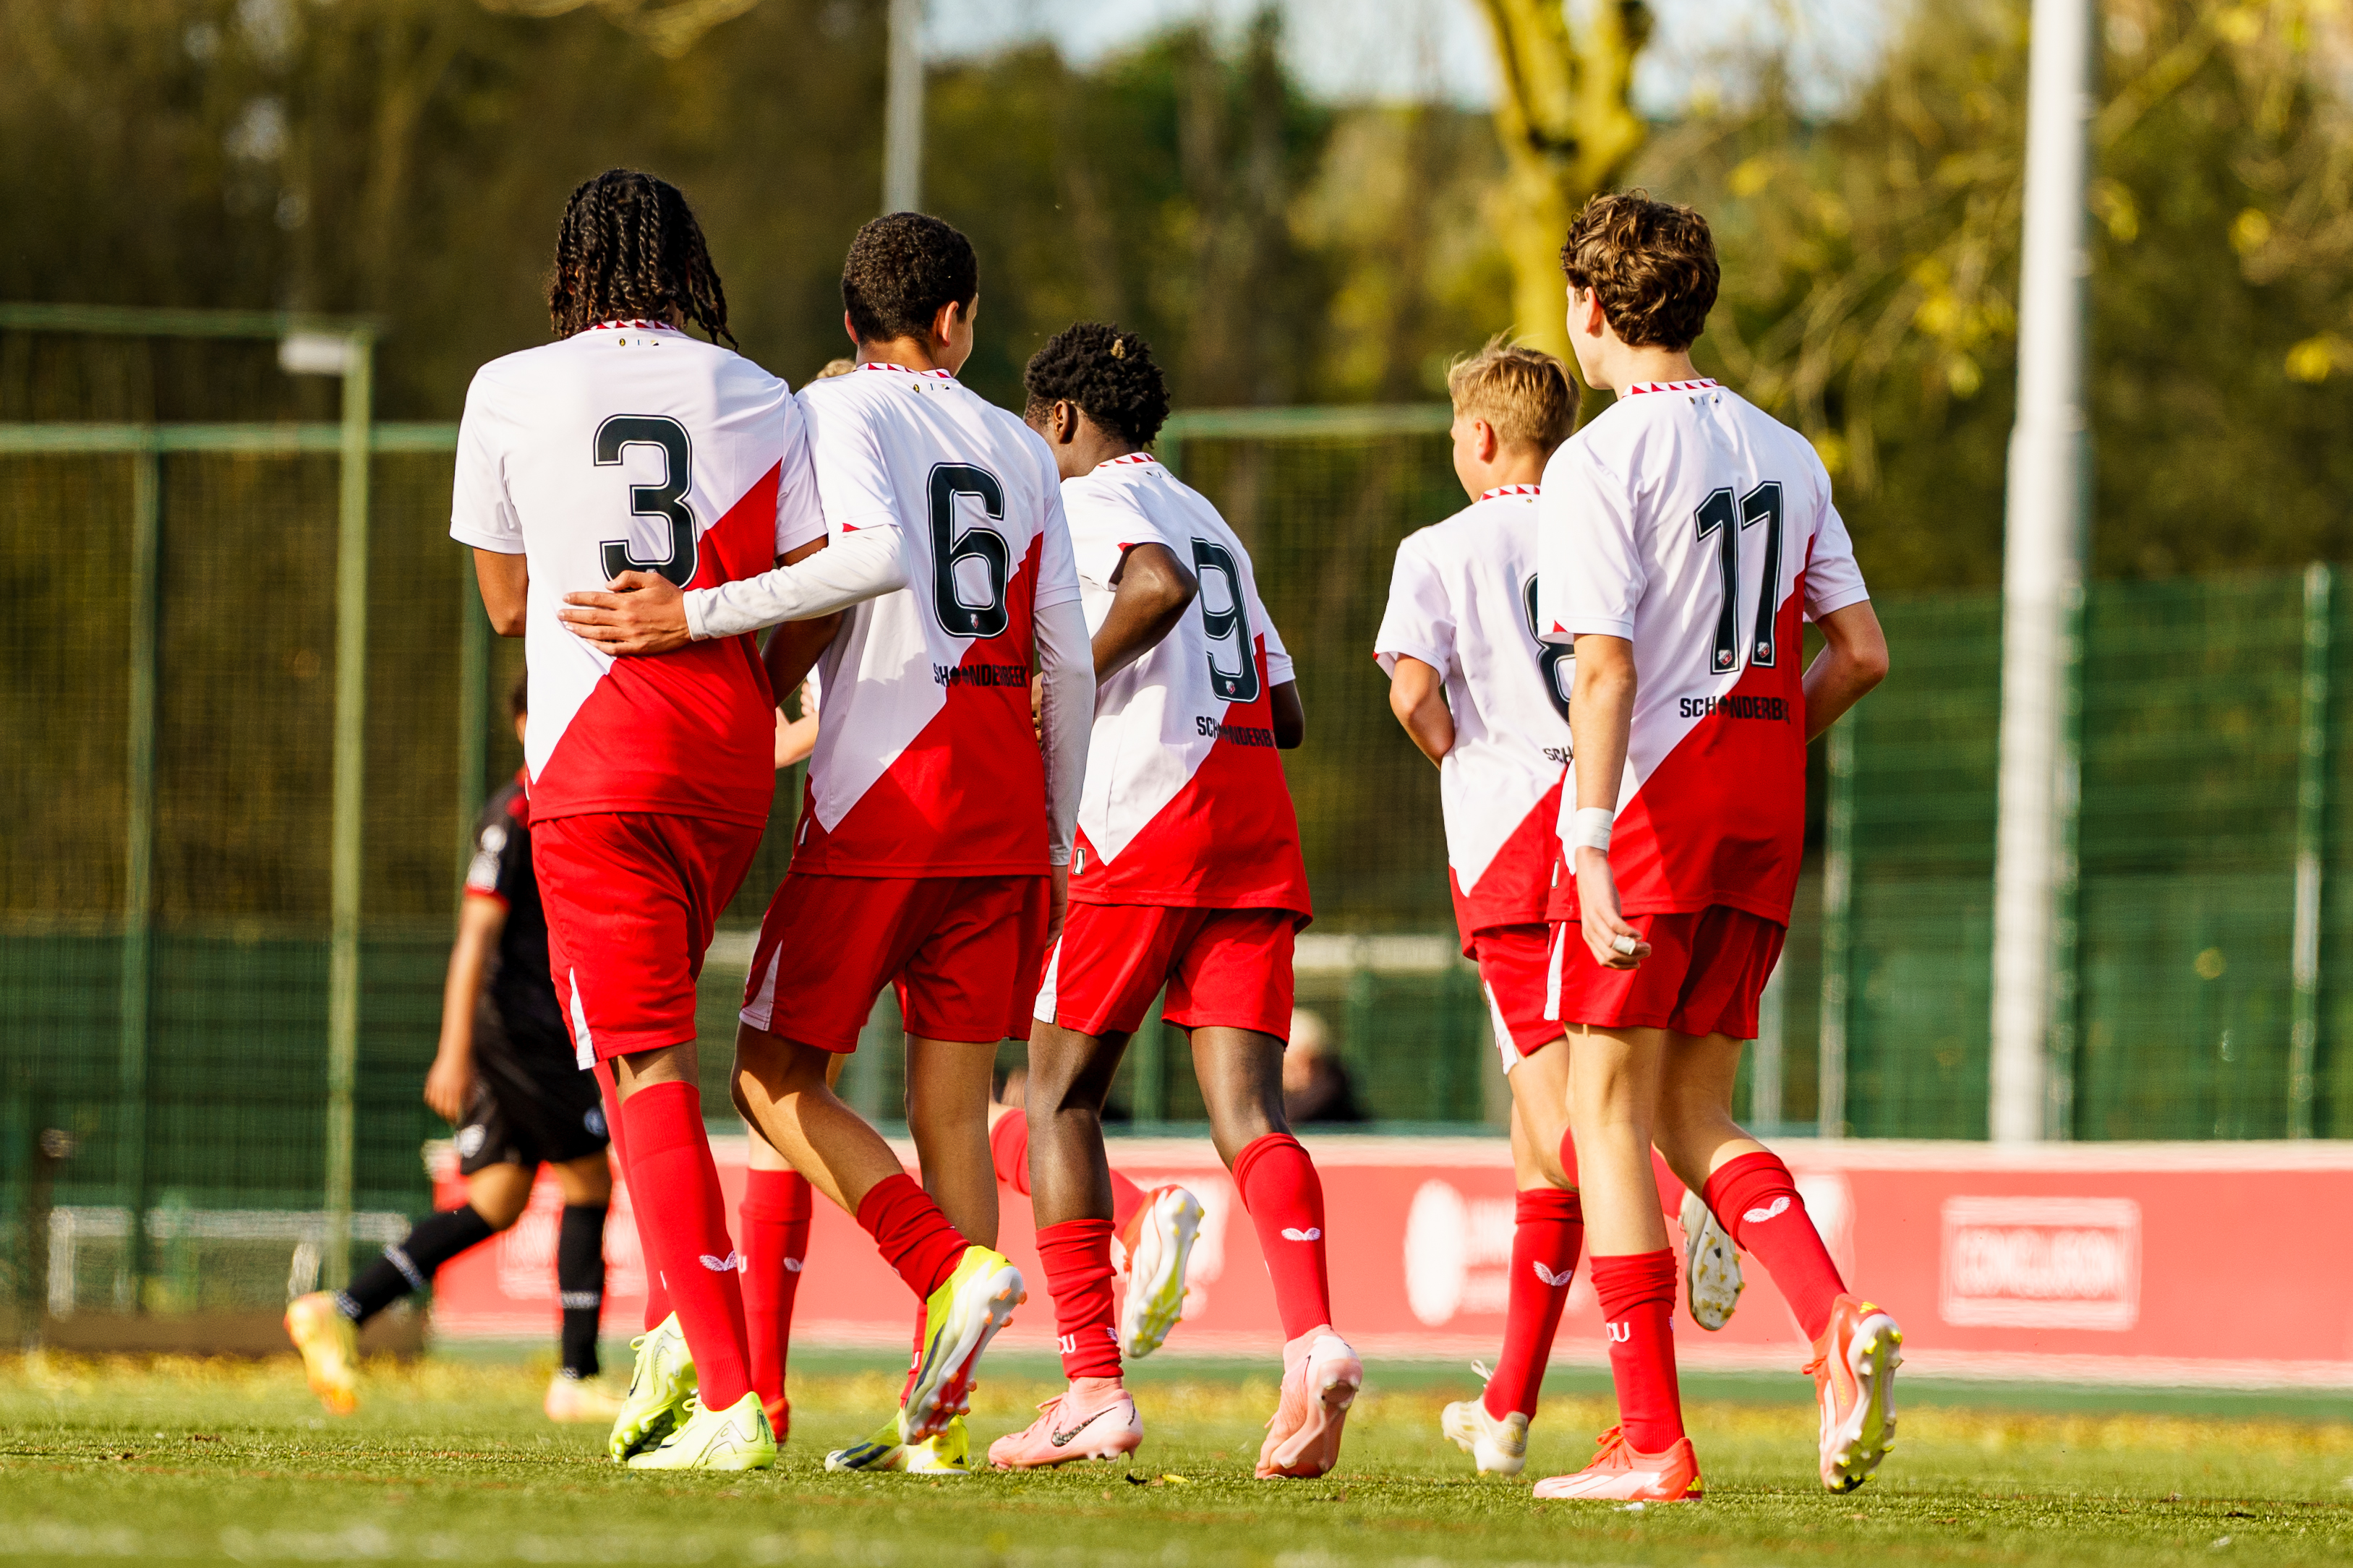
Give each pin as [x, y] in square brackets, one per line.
[2123, 1263]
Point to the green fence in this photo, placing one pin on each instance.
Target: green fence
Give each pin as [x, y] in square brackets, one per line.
[167, 877]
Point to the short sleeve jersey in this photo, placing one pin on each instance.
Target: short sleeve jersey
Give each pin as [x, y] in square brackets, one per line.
[635, 446]
[518, 989]
[1186, 803]
[1463, 600]
[927, 762]
[1700, 528]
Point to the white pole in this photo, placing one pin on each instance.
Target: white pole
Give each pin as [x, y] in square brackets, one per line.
[903, 115]
[2042, 564]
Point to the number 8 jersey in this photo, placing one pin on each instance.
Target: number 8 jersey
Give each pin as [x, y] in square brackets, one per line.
[927, 763]
[1185, 803]
[1691, 522]
[633, 447]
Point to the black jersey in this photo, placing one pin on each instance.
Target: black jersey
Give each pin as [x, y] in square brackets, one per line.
[518, 995]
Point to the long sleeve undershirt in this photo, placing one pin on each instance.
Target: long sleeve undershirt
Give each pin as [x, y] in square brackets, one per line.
[1066, 717]
[851, 569]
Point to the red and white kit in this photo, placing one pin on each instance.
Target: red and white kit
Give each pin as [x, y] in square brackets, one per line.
[924, 841]
[1188, 869]
[1463, 600]
[633, 447]
[1701, 528]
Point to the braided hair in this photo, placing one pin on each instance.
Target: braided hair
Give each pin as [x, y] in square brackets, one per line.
[628, 248]
[1110, 374]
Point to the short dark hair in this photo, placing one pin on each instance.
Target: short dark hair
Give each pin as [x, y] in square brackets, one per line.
[1110, 374]
[628, 248]
[1652, 265]
[519, 696]
[902, 268]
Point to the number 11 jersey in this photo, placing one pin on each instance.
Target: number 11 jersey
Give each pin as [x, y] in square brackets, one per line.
[927, 763]
[1700, 528]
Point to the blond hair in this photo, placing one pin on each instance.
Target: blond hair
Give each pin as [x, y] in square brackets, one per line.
[834, 367]
[1524, 393]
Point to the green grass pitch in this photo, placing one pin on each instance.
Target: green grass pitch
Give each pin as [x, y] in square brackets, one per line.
[449, 1461]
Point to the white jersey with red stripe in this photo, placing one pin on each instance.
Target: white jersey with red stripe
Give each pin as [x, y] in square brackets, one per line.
[633, 447]
[1699, 527]
[1186, 803]
[1463, 600]
[927, 762]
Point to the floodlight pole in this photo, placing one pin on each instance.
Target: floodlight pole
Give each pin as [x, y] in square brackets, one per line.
[351, 776]
[902, 113]
[2043, 573]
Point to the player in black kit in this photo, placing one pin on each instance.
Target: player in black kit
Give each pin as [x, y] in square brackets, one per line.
[507, 1079]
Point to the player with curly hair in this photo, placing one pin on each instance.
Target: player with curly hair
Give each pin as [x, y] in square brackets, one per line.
[1187, 874]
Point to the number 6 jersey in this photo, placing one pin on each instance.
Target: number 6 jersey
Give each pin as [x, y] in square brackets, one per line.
[927, 763]
[633, 447]
[1699, 527]
[1185, 803]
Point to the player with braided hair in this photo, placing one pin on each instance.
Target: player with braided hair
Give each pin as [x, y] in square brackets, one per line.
[629, 461]
[630, 248]
[1186, 874]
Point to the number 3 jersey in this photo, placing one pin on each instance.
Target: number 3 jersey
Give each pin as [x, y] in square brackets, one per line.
[927, 763]
[1186, 803]
[632, 447]
[1463, 600]
[1691, 523]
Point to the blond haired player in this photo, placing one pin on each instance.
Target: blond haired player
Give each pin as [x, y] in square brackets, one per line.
[1684, 537]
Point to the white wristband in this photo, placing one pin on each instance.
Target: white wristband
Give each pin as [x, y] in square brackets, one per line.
[1589, 828]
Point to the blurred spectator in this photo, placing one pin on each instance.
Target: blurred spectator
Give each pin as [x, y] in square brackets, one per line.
[1316, 1086]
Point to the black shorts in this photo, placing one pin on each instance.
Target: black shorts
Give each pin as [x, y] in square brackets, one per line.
[531, 1104]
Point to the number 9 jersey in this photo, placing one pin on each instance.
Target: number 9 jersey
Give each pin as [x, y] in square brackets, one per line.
[1698, 526]
[633, 447]
[1185, 803]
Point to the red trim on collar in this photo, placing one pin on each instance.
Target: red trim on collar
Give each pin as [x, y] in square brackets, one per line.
[1703, 385]
[1501, 491]
[639, 326]
[902, 370]
[1130, 457]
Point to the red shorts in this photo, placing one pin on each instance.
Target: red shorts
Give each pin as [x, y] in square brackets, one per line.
[964, 954]
[1515, 971]
[1705, 973]
[631, 897]
[1225, 969]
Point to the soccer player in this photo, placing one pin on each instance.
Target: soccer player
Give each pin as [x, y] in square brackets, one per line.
[934, 848]
[629, 454]
[505, 1077]
[1489, 704]
[1683, 537]
[1187, 874]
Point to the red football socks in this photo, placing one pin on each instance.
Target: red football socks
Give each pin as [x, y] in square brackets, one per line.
[1077, 1255]
[1008, 1151]
[1637, 1300]
[1758, 1206]
[1284, 1196]
[676, 1189]
[913, 1237]
[657, 1293]
[1548, 1227]
[775, 1220]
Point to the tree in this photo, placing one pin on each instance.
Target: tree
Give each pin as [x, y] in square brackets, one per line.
[1563, 115]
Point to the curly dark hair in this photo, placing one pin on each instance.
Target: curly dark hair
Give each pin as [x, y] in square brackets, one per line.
[902, 268]
[628, 248]
[1651, 263]
[1110, 374]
